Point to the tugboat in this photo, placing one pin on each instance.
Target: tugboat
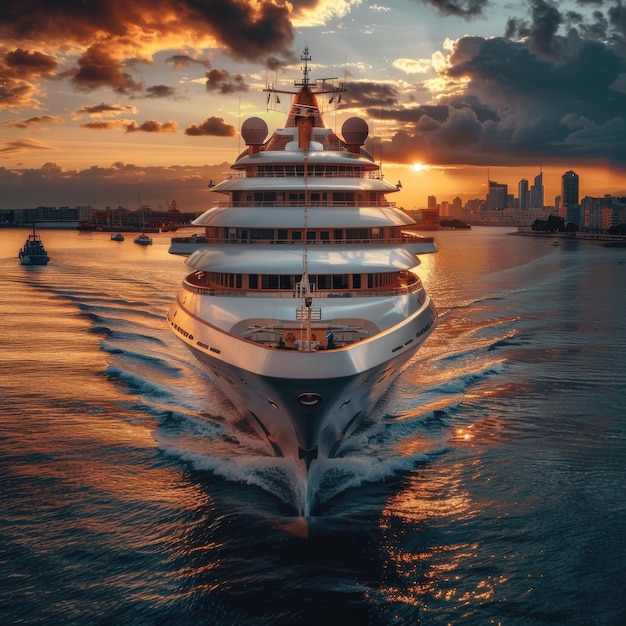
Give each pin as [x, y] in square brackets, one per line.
[33, 252]
[304, 301]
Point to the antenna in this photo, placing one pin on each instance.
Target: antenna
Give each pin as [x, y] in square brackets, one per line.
[306, 57]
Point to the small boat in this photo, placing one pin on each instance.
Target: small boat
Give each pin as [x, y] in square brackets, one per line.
[117, 237]
[143, 240]
[556, 242]
[33, 252]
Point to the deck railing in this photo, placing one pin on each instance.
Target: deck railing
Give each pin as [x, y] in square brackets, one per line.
[202, 290]
[324, 204]
[381, 240]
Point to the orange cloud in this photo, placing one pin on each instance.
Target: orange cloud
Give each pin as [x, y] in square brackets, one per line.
[213, 126]
[38, 119]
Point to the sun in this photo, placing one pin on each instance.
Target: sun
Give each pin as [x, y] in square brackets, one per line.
[419, 167]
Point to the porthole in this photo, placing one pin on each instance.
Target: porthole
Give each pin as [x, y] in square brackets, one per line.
[309, 399]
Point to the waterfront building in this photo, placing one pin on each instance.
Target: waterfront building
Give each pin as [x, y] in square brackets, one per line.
[599, 214]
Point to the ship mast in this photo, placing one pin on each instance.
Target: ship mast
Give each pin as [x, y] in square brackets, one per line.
[304, 115]
[305, 285]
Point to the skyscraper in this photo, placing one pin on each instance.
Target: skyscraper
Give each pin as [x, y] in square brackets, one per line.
[536, 192]
[570, 210]
[523, 194]
[569, 189]
[497, 196]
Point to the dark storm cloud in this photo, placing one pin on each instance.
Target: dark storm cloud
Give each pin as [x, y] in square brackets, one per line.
[440, 113]
[371, 95]
[112, 34]
[224, 82]
[523, 102]
[546, 20]
[97, 68]
[212, 126]
[249, 30]
[461, 8]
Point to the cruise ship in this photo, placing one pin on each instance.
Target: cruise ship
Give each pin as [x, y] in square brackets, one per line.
[303, 299]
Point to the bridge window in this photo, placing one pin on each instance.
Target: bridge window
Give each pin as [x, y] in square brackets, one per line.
[269, 281]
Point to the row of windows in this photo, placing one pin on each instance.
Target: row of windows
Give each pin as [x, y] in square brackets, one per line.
[288, 234]
[289, 282]
[349, 171]
[297, 197]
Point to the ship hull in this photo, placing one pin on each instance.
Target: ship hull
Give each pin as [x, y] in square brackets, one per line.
[303, 405]
[34, 260]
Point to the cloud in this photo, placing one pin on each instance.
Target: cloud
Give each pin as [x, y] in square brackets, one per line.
[182, 61]
[98, 68]
[24, 64]
[131, 126]
[461, 8]
[413, 66]
[70, 187]
[152, 126]
[160, 91]
[542, 97]
[212, 126]
[22, 145]
[31, 121]
[246, 29]
[19, 95]
[224, 82]
[19, 69]
[363, 94]
[100, 110]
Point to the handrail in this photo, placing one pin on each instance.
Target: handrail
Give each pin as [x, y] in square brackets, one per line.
[218, 240]
[279, 172]
[290, 293]
[330, 204]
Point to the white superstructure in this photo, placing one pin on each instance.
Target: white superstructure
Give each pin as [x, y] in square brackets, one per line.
[304, 302]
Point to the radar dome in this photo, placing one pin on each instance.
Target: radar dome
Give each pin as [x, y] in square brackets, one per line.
[254, 131]
[355, 131]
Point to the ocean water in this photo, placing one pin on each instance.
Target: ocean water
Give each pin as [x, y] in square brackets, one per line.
[487, 488]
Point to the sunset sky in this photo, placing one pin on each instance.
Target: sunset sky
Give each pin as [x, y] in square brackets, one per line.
[121, 101]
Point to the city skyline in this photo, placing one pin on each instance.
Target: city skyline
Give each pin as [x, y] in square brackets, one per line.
[120, 103]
